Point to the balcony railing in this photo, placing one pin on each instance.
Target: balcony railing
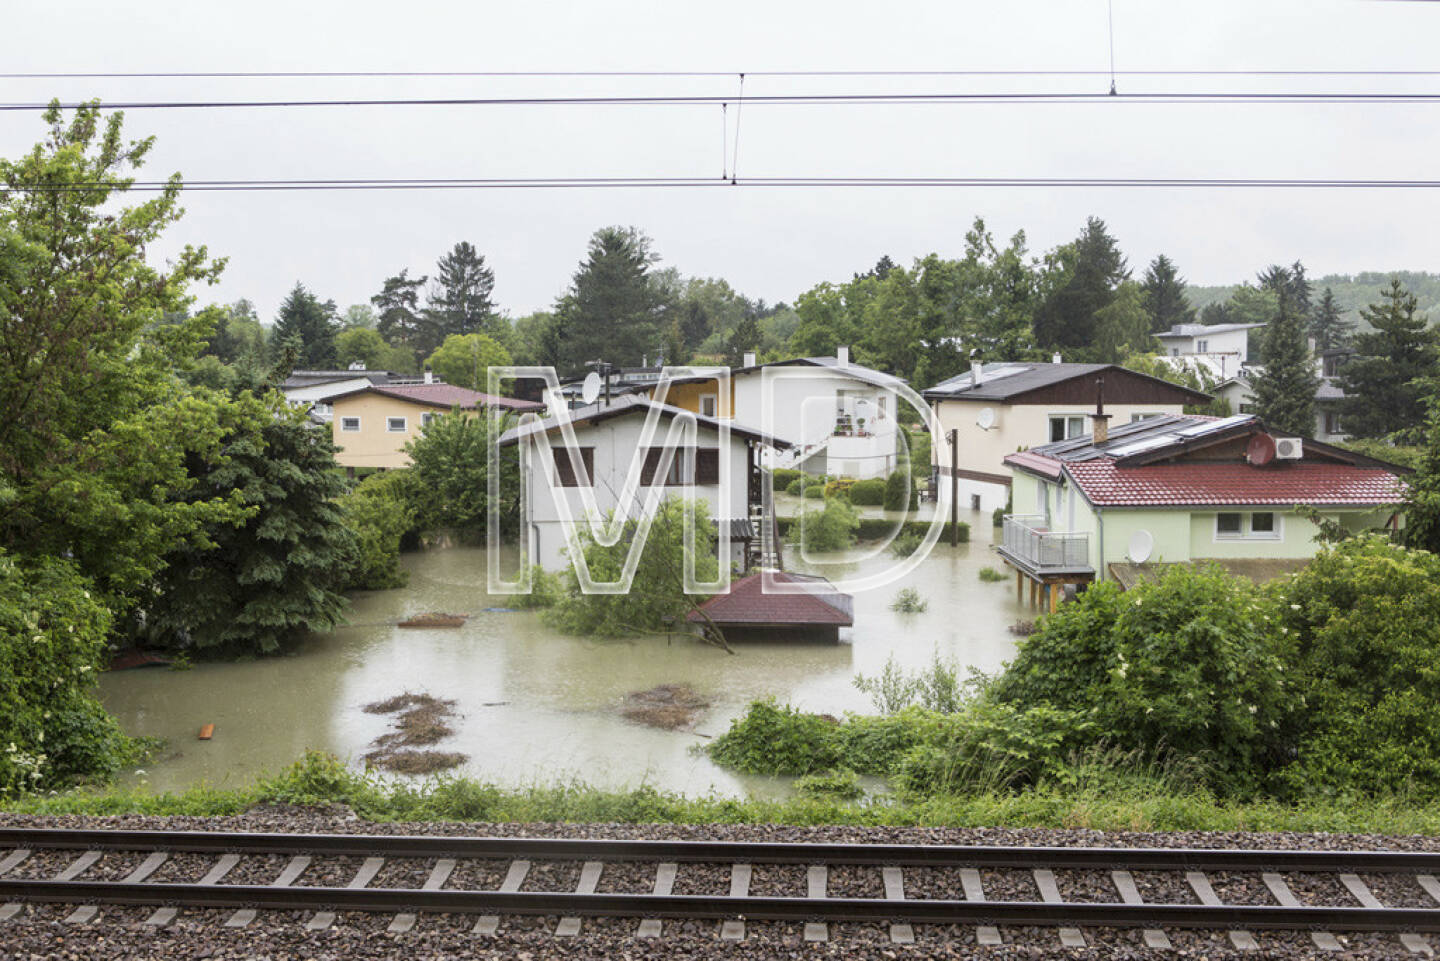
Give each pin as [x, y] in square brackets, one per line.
[1027, 542]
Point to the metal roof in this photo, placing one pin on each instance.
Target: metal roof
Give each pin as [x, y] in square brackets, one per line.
[629, 404]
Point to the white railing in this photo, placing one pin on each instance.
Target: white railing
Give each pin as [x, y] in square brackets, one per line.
[1025, 539]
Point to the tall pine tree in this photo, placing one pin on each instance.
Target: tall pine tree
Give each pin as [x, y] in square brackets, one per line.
[1383, 381]
[1091, 268]
[462, 299]
[398, 305]
[1285, 392]
[612, 310]
[308, 327]
[1326, 326]
[1164, 296]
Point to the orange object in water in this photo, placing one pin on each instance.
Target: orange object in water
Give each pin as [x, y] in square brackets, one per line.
[207, 732]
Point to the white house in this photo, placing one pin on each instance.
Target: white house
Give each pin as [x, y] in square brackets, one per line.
[315, 389]
[998, 409]
[1225, 346]
[840, 415]
[610, 445]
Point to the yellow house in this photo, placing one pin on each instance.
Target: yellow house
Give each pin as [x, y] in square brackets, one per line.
[372, 425]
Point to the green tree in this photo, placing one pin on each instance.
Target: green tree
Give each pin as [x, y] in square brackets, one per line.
[450, 464]
[1285, 391]
[1123, 326]
[827, 319]
[744, 337]
[1164, 296]
[380, 513]
[462, 301]
[1384, 382]
[238, 337]
[365, 346]
[534, 340]
[1087, 271]
[612, 310]
[464, 360]
[1000, 299]
[360, 315]
[675, 352]
[1327, 326]
[398, 306]
[1422, 495]
[307, 326]
[249, 588]
[98, 429]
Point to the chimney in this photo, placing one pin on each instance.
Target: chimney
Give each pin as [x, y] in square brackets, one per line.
[976, 372]
[748, 359]
[1100, 421]
[842, 356]
[429, 375]
[1055, 358]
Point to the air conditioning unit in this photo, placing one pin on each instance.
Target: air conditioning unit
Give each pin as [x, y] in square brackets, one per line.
[1288, 448]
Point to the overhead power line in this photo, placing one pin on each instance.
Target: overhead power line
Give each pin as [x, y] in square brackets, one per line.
[540, 74]
[1054, 97]
[761, 182]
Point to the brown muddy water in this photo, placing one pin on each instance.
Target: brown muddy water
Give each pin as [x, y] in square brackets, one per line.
[535, 706]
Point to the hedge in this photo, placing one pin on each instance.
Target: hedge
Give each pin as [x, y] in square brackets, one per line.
[868, 493]
[874, 528]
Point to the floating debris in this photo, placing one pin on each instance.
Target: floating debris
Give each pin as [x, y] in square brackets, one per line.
[421, 722]
[207, 731]
[1022, 628]
[133, 657]
[435, 619]
[669, 707]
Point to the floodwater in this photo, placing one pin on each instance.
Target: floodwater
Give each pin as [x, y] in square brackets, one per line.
[538, 707]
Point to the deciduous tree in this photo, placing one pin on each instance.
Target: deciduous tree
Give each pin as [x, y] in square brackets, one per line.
[464, 359]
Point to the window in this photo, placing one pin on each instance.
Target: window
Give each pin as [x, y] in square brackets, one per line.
[880, 407]
[1136, 418]
[1202, 346]
[1259, 526]
[395, 425]
[1066, 426]
[707, 405]
[707, 466]
[565, 466]
[426, 418]
[1247, 408]
[679, 473]
[350, 424]
[1174, 351]
[1332, 423]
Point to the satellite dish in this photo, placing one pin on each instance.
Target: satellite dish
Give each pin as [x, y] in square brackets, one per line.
[590, 390]
[986, 419]
[1261, 450]
[1141, 544]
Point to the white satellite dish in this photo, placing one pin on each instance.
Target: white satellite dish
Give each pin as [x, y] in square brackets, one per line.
[986, 419]
[590, 390]
[1141, 544]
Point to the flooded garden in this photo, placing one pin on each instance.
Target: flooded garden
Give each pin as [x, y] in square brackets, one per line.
[526, 705]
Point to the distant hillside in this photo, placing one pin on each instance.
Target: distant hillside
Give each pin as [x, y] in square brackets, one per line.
[1352, 291]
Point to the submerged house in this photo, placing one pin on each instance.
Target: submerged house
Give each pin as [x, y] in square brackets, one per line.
[591, 477]
[1180, 489]
[997, 409]
[810, 608]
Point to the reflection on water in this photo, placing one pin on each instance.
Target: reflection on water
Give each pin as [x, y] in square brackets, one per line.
[535, 706]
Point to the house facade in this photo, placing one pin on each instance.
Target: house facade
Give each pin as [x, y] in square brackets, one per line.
[841, 416]
[1226, 347]
[998, 409]
[610, 445]
[314, 389]
[1178, 489]
[372, 424]
[1239, 390]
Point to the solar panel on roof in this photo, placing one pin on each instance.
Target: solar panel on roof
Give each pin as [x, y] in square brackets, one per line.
[1145, 443]
[1210, 427]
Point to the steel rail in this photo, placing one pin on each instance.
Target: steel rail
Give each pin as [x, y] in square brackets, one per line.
[387, 900]
[604, 849]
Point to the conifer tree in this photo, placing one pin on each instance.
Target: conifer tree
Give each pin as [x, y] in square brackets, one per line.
[612, 310]
[462, 298]
[308, 327]
[1087, 272]
[1383, 381]
[1164, 296]
[1285, 392]
[1326, 326]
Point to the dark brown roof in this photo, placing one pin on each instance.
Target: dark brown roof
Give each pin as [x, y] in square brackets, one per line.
[815, 604]
[446, 396]
[628, 404]
[1011, 382]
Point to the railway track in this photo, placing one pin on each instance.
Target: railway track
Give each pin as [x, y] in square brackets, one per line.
[72, 858]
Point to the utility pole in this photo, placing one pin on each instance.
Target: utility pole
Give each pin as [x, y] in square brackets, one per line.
[954, 488]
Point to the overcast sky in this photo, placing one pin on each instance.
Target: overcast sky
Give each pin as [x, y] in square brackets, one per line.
[770, 243]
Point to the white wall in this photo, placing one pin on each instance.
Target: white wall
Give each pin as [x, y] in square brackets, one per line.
[615, 443]
[799, 404]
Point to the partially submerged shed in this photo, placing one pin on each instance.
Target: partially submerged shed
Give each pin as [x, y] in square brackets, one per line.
[777, 605]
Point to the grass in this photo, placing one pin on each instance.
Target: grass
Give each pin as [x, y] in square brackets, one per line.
[320, 779]
[990, 575]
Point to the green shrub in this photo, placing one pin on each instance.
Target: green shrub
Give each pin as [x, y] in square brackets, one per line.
[839, 487]
[919, 457]
[378, 512]
[782, 477]
[935, 688]
[868, 493]
[909, 601]
[1364, 622]
[990, 575]
[812, 490]
[771, 739]
[546, 590]
[52, 647]
[1188, 663]
[905, 544]
[899, 491]
[874, 528]
[830, 529]
[796, 487]
[841, 785]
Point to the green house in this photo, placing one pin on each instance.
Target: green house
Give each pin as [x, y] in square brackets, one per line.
[1182, 488]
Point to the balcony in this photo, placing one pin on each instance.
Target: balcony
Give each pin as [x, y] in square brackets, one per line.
[1031, 547]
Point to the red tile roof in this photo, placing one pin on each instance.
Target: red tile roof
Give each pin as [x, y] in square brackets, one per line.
[449, 395]
[747, 603]
[1037, 463]
[1200, 484]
